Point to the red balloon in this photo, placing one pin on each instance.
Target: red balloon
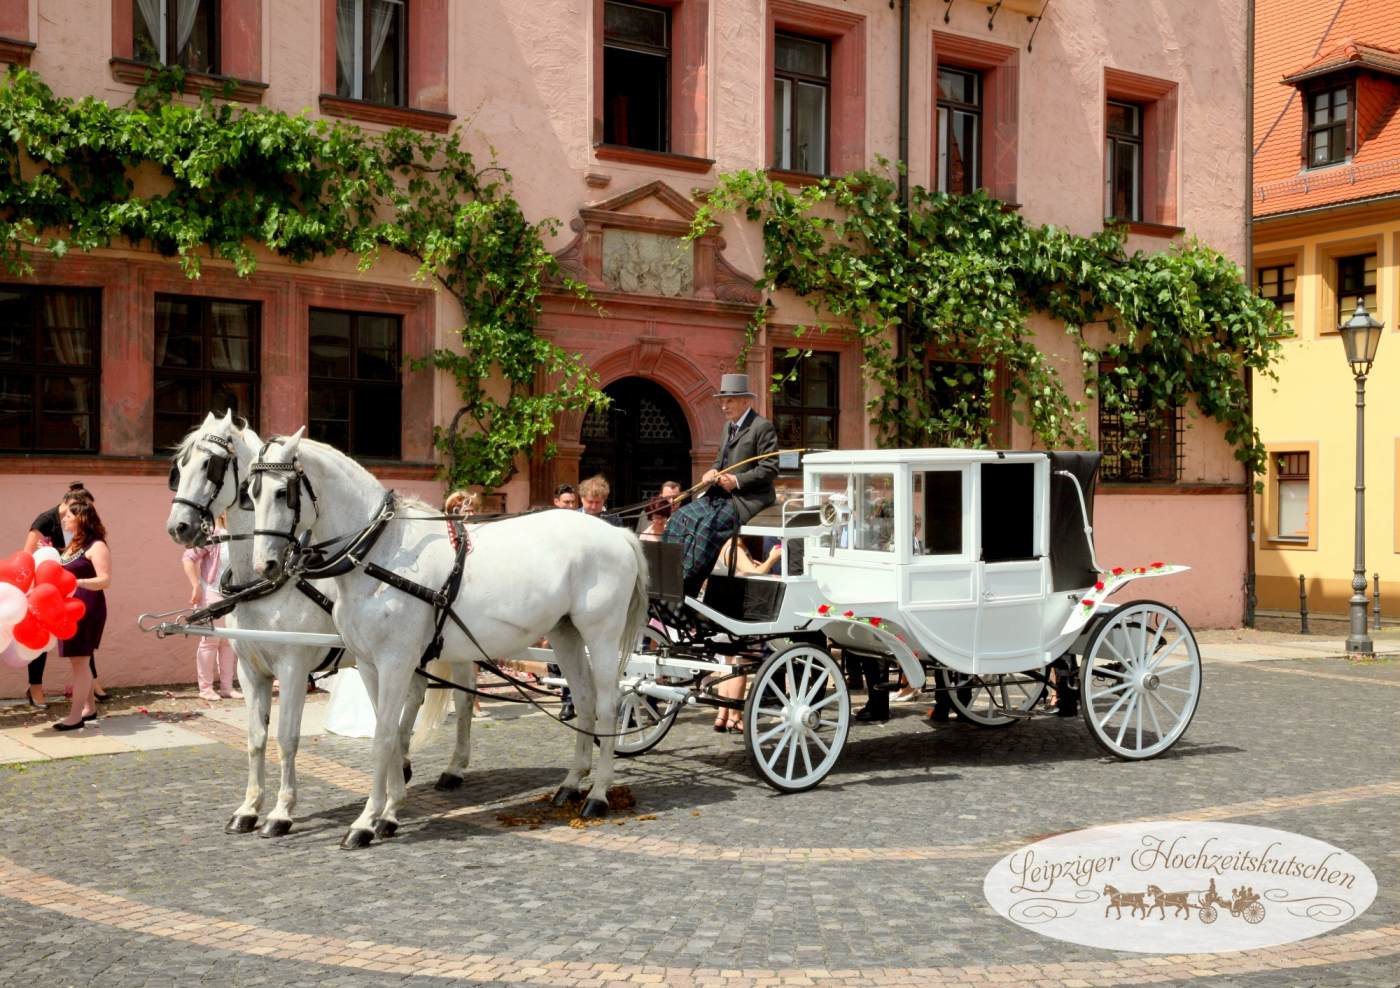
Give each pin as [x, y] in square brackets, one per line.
[19, 570]
[76, 609]
[67, 624]
[30, 633]
[46, 604]
[55, 575]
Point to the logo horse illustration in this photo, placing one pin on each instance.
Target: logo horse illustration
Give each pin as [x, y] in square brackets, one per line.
[1135, 901]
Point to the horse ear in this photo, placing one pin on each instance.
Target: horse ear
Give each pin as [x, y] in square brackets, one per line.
[290, 444]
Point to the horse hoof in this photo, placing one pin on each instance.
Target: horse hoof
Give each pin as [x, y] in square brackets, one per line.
[594, 808]
[276, 827]
[385, 828]
[241, 823]
[447, 782]
[356, 839]
[565, 796]
[407, 773]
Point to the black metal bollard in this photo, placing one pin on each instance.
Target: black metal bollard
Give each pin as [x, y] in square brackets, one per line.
[1303, 604]
[1376, 602]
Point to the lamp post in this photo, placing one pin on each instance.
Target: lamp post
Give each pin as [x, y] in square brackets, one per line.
[1361, 335]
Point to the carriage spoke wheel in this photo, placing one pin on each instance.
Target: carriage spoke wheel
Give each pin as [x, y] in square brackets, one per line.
[1141, 680]
[979, 699]
[642, 721]
[796, 718]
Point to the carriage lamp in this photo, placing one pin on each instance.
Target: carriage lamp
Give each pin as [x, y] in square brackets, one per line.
[1361, 335]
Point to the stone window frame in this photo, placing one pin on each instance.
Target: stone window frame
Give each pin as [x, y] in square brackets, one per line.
[204, 375]
[1326, 310]
[428, 53]
[999, 69]
[16, 35]
[845, 32]
[240, 34]
[37, 369]
[1159, 101]
[1268, 508]
[689, 91]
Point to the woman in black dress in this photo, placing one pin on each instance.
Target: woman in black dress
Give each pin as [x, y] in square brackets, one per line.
[48, 530]
[87, 558]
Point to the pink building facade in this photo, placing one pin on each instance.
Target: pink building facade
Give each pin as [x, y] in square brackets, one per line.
[609, 116]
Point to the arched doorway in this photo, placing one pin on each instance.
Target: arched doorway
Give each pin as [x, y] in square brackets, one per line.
[639, 442]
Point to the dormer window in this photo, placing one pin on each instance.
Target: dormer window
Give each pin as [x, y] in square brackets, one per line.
[1329, 125]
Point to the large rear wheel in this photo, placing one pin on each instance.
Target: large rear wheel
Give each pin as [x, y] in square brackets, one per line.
[796, 718]
[1141, 680]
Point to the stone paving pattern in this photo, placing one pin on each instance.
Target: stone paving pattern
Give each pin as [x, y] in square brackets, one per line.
[114, 868]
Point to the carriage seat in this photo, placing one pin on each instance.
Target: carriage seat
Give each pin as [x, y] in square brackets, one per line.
[665, 576]
[771, 517]
[745, 598]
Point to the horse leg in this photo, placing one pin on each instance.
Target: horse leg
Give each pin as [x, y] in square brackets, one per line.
[378, 818]
[568, 655]
[290, 706]
[257, 700]
[603, 699]
[417, 689]
[462, 749]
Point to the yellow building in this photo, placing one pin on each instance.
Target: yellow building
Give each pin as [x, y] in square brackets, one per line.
[1327, 234]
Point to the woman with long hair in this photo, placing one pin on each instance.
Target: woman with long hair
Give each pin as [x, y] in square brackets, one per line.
[47, 529]
[87, 558]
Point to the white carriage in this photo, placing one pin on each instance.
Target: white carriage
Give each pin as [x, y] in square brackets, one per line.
[972, 571]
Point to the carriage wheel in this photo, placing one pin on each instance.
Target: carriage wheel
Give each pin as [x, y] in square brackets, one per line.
[642, 721]
[1253, 913]
[1208, 914]
[1141, 680]
[796, 718]
[977, 698]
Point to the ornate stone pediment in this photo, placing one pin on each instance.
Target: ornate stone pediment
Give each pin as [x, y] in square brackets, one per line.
[634, 244]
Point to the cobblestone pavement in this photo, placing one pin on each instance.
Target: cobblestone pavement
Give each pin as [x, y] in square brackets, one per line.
[115, 869]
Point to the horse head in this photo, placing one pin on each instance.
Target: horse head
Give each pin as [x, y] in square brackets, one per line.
[273, 493]
[204, 477]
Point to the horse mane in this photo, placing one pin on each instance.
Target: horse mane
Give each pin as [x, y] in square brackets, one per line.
[181, 450]
[320, 447]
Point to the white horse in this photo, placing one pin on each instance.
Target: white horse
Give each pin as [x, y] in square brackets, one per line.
[563, 574]
[205, 454]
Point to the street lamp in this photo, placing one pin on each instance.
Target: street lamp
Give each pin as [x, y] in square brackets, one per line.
[1361, 335]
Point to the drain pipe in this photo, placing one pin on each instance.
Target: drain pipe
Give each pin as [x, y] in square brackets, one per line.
[901, 343]
[1251, 576]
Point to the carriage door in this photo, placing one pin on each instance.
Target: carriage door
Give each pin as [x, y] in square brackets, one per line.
[1012, 572]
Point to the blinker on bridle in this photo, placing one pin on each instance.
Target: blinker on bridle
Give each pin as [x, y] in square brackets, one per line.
[252, 487]
[215, 469]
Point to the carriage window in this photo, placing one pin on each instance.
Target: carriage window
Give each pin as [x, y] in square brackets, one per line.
[1008, 512]
[872, 512]
[938, 513]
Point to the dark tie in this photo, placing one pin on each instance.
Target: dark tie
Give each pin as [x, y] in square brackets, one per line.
[728, 442]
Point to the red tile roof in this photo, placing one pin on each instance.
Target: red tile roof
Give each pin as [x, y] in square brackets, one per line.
[1307, 39]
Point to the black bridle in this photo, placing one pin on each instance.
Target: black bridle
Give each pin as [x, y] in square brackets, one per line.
[296, 480]
[215, 470]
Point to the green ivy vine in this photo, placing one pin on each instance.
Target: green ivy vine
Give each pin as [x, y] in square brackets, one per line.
[203, 179]
[963, 275]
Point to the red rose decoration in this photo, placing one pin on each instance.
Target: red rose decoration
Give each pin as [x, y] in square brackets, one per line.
[1139, 569]
[1099, 585]
[1118, 571]
[849, 614]
[1088, 602]
[1157, 565]
[875, 622]
[824, 609]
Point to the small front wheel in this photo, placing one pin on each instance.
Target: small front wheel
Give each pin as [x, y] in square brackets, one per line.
[983, 700]
[642, 721]
[796, 718]
[1208, 914]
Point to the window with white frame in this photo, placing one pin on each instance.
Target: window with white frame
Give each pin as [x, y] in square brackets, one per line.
[1123, 162]
[959, 130]
[371, 51]
[801, 103]
[1292, 482]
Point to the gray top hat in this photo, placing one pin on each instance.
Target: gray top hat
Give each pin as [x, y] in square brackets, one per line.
[734, 386]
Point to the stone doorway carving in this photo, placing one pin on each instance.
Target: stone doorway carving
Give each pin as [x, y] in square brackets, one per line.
[640, 441]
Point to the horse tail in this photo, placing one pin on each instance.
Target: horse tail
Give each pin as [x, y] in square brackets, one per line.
[637, 608]
[434, 710]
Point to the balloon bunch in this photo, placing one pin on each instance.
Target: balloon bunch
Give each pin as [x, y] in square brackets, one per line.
[36, 605]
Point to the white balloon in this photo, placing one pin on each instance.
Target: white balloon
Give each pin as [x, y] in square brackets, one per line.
[11, 658]
[6, 639]
[45, 553]
[13, 606]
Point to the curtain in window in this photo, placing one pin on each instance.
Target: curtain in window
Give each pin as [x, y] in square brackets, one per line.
[185, 15]
[346, 18]
[382, 14]
[149, 12]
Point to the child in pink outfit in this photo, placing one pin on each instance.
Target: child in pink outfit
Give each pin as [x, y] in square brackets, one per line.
[205, 566]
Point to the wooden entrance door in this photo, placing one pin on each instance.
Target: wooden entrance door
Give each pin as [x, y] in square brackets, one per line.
[638, 443]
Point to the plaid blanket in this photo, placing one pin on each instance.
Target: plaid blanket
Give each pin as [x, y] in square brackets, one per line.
[702, 527]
